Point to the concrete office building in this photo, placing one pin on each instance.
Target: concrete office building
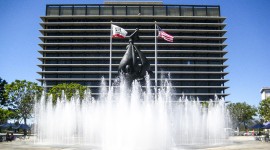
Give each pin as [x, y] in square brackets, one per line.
[76, 44]
[265, 92]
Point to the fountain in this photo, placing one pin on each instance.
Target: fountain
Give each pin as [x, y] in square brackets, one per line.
[133, 119]
[130, 118]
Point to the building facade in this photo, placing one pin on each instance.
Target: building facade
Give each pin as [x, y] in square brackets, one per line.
[265, 92]
[76, 44]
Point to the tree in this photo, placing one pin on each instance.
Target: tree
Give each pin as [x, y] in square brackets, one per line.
[69, 89]
[20, 96]
[241, 113]
[2, 89]
[264, 109]
[5, 115]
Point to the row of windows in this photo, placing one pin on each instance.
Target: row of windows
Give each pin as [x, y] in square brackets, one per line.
[78, 68]
[133, 27]
[109, 19]
[182, 76]
[199, 91]
[188, 55]
[192, 76]
[106, 75]
[115, 75]
[145, 47]
[76, 75]
[212, 69]
[175, 83]
[198, 83]
[118, 61]
[188, 62]
[184, 91]
[207, 98]
[133, 10]
[100, 68]
[78, 54]
[203, 97]
[125, 41]
[59, 33]
[120, 54]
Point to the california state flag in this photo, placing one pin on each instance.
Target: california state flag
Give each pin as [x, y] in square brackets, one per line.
[118, 32]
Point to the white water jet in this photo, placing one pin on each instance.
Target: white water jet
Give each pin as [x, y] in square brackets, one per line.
[123, 119]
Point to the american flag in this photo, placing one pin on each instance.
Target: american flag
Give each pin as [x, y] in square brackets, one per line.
[164, 35]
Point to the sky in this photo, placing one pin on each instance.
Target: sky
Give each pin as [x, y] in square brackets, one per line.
[247, 32]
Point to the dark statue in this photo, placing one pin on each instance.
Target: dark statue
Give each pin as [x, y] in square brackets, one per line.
[134, 64]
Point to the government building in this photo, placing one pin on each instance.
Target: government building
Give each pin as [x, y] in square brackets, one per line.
[265, 92]
[75, 44]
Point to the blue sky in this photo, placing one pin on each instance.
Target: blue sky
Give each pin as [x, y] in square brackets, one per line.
[248, 42]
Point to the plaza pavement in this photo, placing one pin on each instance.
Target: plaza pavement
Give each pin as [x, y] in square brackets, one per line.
[236, 143]
[243, 143]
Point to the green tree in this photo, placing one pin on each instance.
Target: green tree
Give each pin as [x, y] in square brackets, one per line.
[69, 89]
[241, 113]
[264, 109]
[20, 96]
[2, 90]
[5, 115]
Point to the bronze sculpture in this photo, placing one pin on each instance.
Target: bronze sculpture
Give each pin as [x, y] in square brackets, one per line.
[134, 65]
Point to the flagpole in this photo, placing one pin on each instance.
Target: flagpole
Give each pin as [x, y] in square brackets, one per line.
[110, 69]
[155, 60]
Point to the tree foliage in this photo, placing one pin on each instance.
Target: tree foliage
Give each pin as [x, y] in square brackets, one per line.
[69, 89]
[20, 96]
[5, 115]
[264, 109]
[241, 113]
[2, 90]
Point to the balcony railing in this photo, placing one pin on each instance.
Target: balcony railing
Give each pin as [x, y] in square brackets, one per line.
[132, 10]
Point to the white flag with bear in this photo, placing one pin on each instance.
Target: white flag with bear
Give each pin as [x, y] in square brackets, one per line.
[118, 31]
